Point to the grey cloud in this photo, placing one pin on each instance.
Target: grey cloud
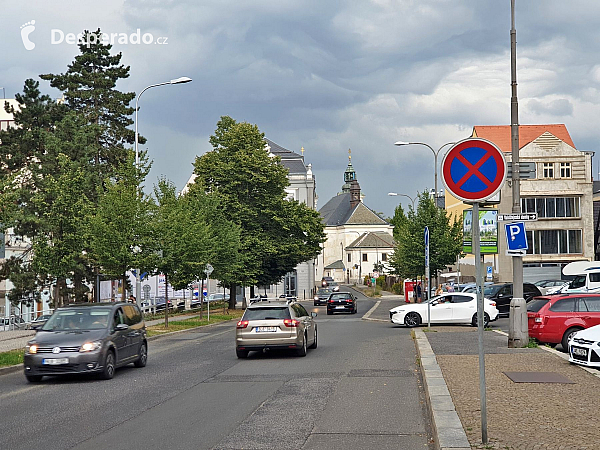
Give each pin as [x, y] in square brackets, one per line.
[558, 107]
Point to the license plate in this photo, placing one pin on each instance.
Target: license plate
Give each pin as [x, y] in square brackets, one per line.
[340, 307]
[55, 361]
[268, 329]
[579, 351]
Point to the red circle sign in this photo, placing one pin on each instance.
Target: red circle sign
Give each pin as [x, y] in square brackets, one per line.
[474, 170]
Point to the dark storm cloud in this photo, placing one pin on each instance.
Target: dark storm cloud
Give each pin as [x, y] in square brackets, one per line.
[330, 76]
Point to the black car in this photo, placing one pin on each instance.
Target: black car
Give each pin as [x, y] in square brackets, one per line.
[341, 302]
[502, 294]
[87, 338]
[322, 296]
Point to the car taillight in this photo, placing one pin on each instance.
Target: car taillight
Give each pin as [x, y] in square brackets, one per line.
[349, 300]
[242, 324]
[291, 323]
[331, 300]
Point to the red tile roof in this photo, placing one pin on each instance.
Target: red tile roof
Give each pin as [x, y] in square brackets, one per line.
[500, 134]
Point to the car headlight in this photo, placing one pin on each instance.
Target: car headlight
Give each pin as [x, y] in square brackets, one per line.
[316, 297]
[31, 349]
[90, 346]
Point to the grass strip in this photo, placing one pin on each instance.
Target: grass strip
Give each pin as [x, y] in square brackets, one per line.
[194, 322]
[11, 357]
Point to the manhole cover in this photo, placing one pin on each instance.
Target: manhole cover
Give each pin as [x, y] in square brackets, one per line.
[537, 377]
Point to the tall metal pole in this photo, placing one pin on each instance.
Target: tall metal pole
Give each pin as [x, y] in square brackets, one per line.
[180, 80]
[518, 333]
[480, 315]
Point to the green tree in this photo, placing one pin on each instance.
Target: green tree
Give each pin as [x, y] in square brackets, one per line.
[59, 243]
[120, 228]
[445, 239]
[251, 187]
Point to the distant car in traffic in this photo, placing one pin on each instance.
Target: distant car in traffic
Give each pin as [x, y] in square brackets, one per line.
[502, 294]
[322, 296]
[547, 286]
[451, 307]
[341, 302]
[584, 347]
[275, 324]
[38, 322]
[325, 281]
[334, 285]
[555, 319]
[87, 338]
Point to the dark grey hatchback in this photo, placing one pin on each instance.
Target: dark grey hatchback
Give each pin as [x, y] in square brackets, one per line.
[87, 338]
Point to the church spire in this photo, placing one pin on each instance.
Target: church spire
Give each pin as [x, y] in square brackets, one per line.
[349, 174]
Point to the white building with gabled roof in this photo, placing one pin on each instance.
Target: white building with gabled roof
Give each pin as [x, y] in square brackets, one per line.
[357, 238]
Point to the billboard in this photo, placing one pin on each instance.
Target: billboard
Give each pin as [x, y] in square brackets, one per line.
[488, 231]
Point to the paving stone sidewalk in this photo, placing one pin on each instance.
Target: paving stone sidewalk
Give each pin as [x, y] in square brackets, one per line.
[524, 416]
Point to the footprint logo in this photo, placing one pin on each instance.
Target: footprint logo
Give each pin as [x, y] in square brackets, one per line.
[26, 30]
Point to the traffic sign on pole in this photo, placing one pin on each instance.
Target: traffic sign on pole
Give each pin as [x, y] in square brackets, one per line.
[474, 170]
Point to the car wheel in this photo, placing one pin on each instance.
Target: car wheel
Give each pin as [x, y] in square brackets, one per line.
[241, 353]
[143, 358]
[109, 366]
[567, 337]
[412, 319]
[316, 303]
[34, 378]
[486, 320]
[302, 350]
[314, 344]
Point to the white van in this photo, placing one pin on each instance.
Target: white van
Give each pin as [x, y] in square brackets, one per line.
[586, 276]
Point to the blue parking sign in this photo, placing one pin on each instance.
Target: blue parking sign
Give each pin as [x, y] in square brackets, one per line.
[516, 238]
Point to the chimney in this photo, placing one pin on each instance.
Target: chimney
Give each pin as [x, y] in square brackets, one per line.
[354, 194]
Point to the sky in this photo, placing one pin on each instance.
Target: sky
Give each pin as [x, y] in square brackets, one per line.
[327, 75]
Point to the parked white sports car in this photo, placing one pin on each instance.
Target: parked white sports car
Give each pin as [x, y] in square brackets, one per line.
[584, 347]
[450, 307]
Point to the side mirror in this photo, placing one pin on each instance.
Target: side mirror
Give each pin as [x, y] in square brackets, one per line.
[313, 314]
[435, 302]
[122, 327]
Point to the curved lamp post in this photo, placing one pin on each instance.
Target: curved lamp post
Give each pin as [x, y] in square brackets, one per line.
[435, 156]
[395, 194]
[179, 80]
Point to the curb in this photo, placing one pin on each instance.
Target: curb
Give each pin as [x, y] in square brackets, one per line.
[10, 369]
[447, 428]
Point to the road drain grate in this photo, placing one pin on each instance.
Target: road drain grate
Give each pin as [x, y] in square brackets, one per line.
[370, 373]
[537, 377]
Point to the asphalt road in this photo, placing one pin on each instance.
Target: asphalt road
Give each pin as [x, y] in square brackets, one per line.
[359, 389]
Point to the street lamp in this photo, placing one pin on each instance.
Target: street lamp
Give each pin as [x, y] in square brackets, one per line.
[395, 194]
[179, 80]
[435, 156]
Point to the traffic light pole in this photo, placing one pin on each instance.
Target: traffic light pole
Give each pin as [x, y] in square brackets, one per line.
[518, 333]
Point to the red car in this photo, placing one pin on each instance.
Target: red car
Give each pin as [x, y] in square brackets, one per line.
[554, 319]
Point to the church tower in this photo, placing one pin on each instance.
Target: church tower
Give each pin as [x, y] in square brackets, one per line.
[349, 174]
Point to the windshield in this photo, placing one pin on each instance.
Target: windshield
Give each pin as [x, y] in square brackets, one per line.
[74, 319]
[324, 291]
[578, 281]
[491, 290]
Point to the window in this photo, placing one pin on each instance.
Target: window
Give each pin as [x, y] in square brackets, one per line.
[565, 170]
[548, 170]
[553, 242]
[349, 258]
[118, 318]
[461, 299]
[565, 305]
[130, 315]
[593, 303]
[551, 207]
[384, 256]
[364, 257]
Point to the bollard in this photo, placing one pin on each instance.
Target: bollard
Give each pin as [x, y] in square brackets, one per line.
[518, 331]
